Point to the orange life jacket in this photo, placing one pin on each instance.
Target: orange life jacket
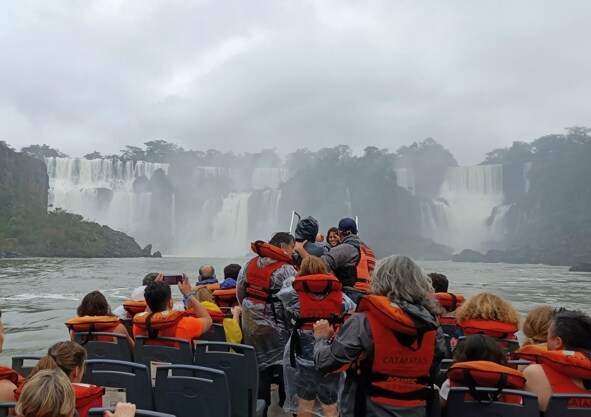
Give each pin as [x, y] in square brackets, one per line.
[561, 367]
[320, 297]
[363, 278]
[258, 279]
[399, 372]
[225, 298]
[371, 257]
[486, 374]
[91, 324]
[449, 301]
[134, 307]
[495, 329]
[87, 397]
[210, 287]
[11, 375]
[162, 324]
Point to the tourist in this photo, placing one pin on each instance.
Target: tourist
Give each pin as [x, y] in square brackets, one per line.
[94, 313]
[449, 302]
[70, 357]
[478, 347]
[225, 296]
[299, 297]
[306, 232]
[231, 325]
[9, 378]
[136, 303]
[163, 321]
[332, 237]
[352, 261]
[206, 275]
[564, 367]
[439, 282]
[49, 393]
[263, 317]
[536, 324]
[373, 336]
[487, 313]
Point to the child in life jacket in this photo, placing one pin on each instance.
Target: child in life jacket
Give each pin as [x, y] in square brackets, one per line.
[313, 295]
[70, 357]
[483, 353]
[564, 365]
[231, 325]
[487, 313]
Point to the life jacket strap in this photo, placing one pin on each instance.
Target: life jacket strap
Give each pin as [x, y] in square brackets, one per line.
[419, 394]
[152, 333]
[484, 398]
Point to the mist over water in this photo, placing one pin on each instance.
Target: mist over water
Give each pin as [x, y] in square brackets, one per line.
[242, 204]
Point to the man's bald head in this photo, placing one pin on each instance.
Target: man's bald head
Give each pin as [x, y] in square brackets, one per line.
[206, 272]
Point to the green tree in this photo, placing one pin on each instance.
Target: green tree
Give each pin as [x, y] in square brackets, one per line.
[133, 153]
[42, 152]
[161, 151]
[93, 155]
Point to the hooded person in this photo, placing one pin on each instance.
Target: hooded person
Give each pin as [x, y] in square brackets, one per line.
[306, 231]
[264, 324]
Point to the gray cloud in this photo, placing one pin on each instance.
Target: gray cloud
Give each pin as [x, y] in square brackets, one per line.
[240, 76]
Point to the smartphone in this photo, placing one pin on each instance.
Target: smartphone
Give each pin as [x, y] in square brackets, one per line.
[173, 279]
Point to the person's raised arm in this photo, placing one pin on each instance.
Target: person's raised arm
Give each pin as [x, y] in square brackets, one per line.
[299, 248]
[192, 302]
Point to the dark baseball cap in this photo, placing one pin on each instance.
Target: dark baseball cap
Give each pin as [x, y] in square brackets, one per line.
[347, 224]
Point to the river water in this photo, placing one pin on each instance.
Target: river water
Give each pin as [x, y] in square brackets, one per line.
[38, 295]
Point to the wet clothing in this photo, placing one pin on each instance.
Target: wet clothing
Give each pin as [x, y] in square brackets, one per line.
[264, 325]
[342, 260]
[354, 339]
[307, 230]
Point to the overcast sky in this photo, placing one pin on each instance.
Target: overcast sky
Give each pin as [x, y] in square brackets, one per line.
[245, 75]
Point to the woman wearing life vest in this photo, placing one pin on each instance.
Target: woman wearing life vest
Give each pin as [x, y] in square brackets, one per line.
[70, 358]
[391, 345]
[536, 325]
[487, 313]
[263, 317]
[564, 367]
[313, 295]
[332, 237]
[485, 362]
[49, 393]
[94, 315]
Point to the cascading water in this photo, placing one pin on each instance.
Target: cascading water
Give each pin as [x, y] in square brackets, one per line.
[102, 190]
[268, 178]
[458, 217]
[405, 177]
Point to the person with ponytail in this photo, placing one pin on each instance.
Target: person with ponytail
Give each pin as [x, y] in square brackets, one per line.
[70, 358]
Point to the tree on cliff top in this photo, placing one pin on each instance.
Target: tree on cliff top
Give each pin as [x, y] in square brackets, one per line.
[42, 152]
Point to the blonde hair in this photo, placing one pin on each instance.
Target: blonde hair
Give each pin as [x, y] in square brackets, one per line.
[488, 306]
[203, 294]
[48, 393]
[536, 324]
[312, 265]
[66, 356]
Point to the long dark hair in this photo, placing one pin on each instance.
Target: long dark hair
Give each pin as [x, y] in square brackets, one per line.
[479, 347]
[94, 304]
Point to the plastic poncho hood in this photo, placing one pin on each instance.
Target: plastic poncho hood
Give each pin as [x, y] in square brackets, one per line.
[306, 229]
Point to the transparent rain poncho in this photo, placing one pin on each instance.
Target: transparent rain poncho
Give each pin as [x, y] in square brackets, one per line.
[264, 326]
[304, 380]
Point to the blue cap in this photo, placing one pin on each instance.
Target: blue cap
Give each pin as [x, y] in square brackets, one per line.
[347, 224]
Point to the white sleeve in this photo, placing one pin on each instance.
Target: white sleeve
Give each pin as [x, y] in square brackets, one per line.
[444, 390]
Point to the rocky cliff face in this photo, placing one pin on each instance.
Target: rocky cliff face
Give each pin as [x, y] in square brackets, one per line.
[24, 173]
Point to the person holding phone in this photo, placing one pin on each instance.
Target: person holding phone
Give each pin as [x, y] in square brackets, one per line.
[161, 320]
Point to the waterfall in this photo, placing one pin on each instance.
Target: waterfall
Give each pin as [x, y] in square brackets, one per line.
[405, 177]
[526, 169]
[498, 221]
[101, 190]
[268, 178]
[230, 226]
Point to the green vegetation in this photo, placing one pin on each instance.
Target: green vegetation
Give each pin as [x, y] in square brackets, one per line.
[27, 228]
